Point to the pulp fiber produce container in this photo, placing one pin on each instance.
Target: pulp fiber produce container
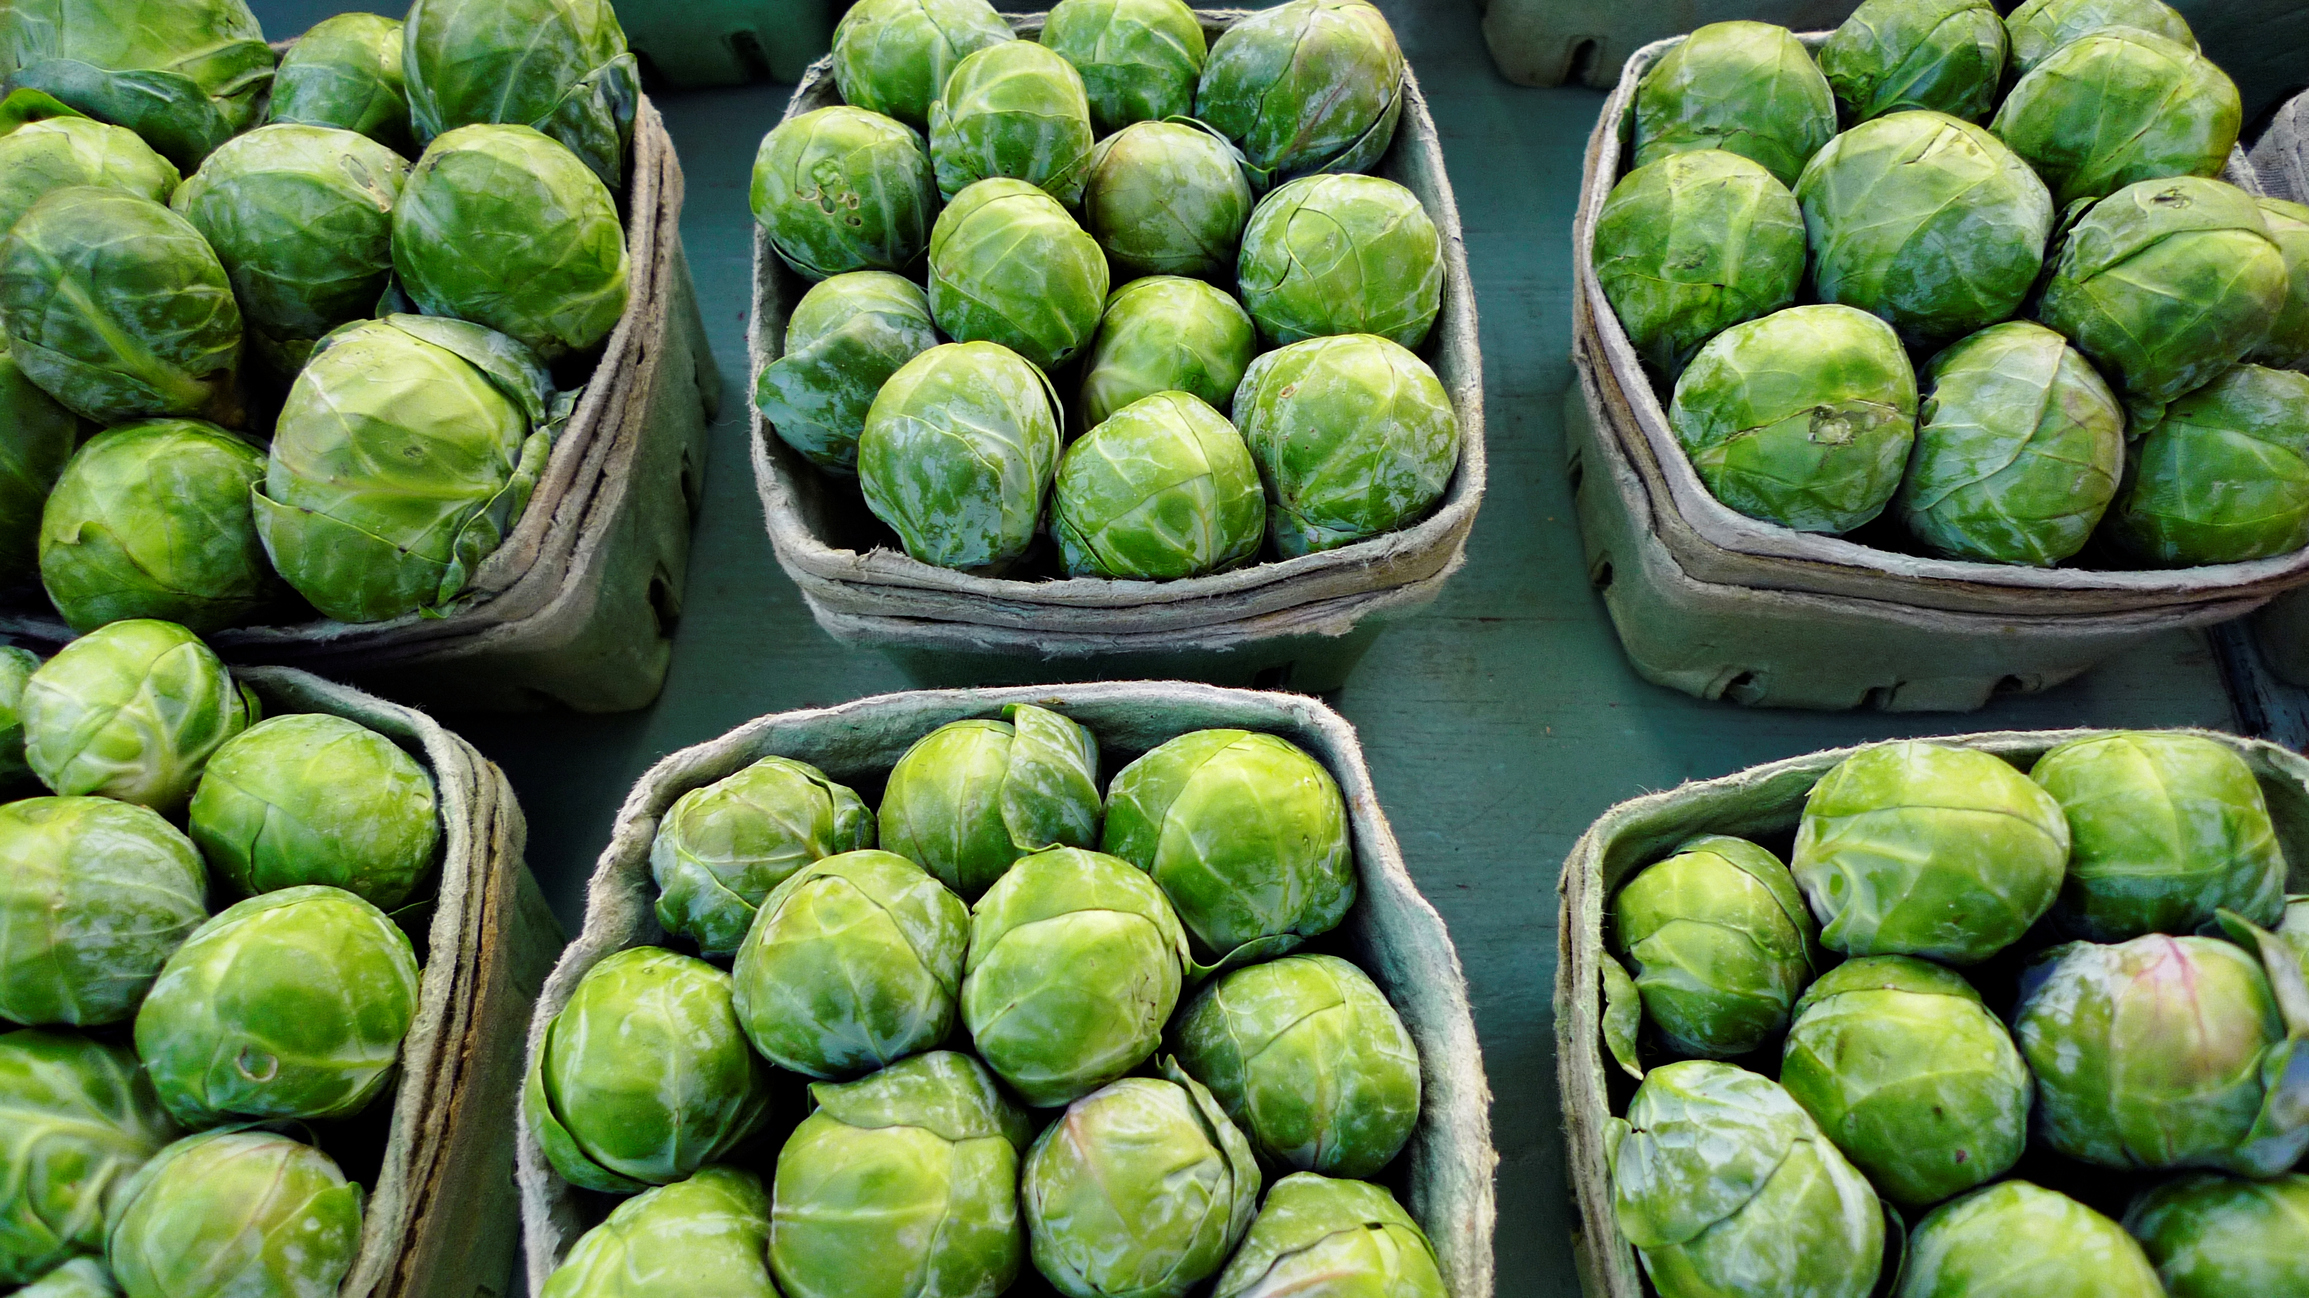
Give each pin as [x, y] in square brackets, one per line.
[1443, 1176]
[727, 42]
[1719, 605]
[2280, 163]
[576, 608]
[1762, 803]
[1299, 623]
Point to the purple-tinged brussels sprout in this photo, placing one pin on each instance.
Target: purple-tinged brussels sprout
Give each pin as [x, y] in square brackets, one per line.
[2287, 347]
[722, 848]
[40, 439]
[1317, 1235]
[38, 158]
[558, 66]
[1167, 198]
[894, 56]
[1166, 333]
[234, 1212]
[2213, 1236]
[847, 336]
[842, 189]
[971, 797]
[187, 75]
[96, 897]
[1009, 266]
[1749, 88]
[132, 710]
[1012, 109]
[1942, 56]
[1329, 255]
[2224, 477]
[704, 1237]
[347, 72]
[1139, 59]
[2039, 27]
[1722, 945]
[1692, 245]
[77, 1118]
[2118, 106]
[958, 453]
[2017, 1240]
[1164, 488]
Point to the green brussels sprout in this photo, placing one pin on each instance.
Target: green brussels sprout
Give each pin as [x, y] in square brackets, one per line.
[405, 454]
[2016, 1240]
[117, 308]
[1075, 964]
[1009, 266]
[315, 799]
[2117, 106]
[703, 1237]
[560, 66]
[1802, 418]
[1167, 198]
[1141, 1191]
[1165, 333]
[1925, 220]
[1906, 1070]
[1305, 87]
[346, 72]
[1942, 56]
[82, 1277]
[234, 1212]
[37, 438]
[645, 1075]
[1342, 255]
[1246, 834]
[77, 1118]
[894, 56]
[302, 219]
[958, 452]
[2224, 477]
[132, 710]
[2287, 347]
[720, 849]
[2294, 928]
[1012, 109]
[2019, 449]
[842, 189]
[1692, 245]
[2223, 1237]
[1354, 436]
[152, 519]
[971, 797]
[96, 895]
[1721, 942]
[1725, 1185]
[39, 158]
[16, 667]
[187, 75]
[903, 1184]
[502, 226]
[1750, 88]
[1309, 1060]
[847, 336]
[2039, 27]
[1319, 1236]
[1165, 488]
[1139, 59]
[1914, 848]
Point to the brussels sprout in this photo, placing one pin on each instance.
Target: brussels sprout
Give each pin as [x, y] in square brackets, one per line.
[1692, 245]
[16, 667]
[1925, 220]
[1246, 834]
[151, 519]
[346, 72]
[1309, 86]
[187, 75]
[847, 336]
[404, 455]
[1725, 1185]
[1165, 333]
[132, 710]
[645, 1075]
[1802, 418]
[1075, 964]
[316, 799]
[1318, 1236]
[1139, 59]
[1721, 943]
[1750, 88]
[700, 1238]
[2120, 105]
[82, 1277]
[1943, 56]
[1142, 1189]
[96, 895]
[77, 1118]
[560, 66]
[958, 452]
[894, 56]
[2224, 477]
[842, 189]
[1354, 436]
[234, 1212]
[117, 308]
[37, 438]
[2039, 27]
[1167, 198]
[1913, 848]
[1163, 489]
[2222, 1237]
[2016, 1240]
[1308, 1058]
[2287, 347]
[39, 158]
[1342, 255]
[903, 1184]
[1904, 1068]
[721, 849]
[2019, 449]
[1012, 109]
[971, 797]
[1009, 266]
[2294, 928]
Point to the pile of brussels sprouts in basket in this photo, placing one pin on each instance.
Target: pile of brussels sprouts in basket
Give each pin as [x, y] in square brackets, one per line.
[2065, 1053]
[206, 968]
[1131, 292]
[1038, 1026]
[279, 335]
[2033, 325]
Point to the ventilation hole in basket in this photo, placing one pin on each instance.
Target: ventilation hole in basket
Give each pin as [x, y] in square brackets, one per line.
[746, 48]
[665, 602]
[1584, 56]
[1599, 576]
[2010, 685]
[1575, 473]
[1273, 678]
[693, 484]
[1746, 687]
[1880, 698]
